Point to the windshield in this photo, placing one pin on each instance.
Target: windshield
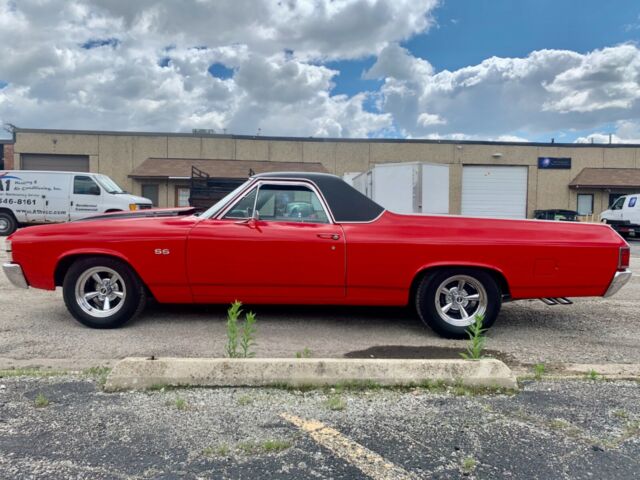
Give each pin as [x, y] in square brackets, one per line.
[220, 204]
[108, 184]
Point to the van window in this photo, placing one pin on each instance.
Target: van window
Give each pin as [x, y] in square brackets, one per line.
[618, 204]
[632, 202]
[85, 186]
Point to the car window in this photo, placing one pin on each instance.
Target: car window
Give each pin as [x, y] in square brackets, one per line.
[290, 203]
[85, 186]
[618, 204]
[243, 207]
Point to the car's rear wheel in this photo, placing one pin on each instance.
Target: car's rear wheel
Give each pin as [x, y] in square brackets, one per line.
[449, 300]
[102, 292]
[8, 224]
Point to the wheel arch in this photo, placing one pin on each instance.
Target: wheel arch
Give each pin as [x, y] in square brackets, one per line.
[65, 262]
[497, 274]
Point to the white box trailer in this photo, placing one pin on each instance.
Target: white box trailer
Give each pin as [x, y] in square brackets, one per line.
[414, 187]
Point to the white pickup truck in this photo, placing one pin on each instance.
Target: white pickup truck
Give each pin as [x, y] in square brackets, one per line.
[32, 197]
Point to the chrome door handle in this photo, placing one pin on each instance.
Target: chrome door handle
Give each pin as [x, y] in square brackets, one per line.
[329, 236]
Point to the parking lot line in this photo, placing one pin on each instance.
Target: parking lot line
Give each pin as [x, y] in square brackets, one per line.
[369, 462]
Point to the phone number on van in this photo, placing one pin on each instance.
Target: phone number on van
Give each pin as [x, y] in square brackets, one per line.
[19, 201]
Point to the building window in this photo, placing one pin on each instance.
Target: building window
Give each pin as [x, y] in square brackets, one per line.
[151, 191]
[585, 203]
[182, 196]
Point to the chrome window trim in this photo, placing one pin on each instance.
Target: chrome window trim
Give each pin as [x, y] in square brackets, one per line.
[231, 201]
[260, 182]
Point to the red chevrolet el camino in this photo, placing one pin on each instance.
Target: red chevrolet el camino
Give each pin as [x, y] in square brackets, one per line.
[302, 238]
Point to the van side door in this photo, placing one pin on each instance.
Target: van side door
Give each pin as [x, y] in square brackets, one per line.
[55, 196]
[86, 197]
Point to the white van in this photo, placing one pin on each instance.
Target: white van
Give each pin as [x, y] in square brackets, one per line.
[29, 197]
[624, 215]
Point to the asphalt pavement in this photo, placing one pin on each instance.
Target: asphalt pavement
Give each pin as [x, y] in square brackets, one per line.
[37, 329]
[66, 427]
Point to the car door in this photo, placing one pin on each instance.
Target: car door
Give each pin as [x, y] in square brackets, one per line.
[277, 244]
[86, 197]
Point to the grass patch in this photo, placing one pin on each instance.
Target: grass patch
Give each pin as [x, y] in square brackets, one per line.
[275, 446]
[468, 465]
[559, 424]
[41, 401]
[221, 450]
[100, 374]
[539, 370]
[305, 353]
[244, 400]
[335, 403]
[31, 372]
[178, 403]
[593, 375]
[620, 414]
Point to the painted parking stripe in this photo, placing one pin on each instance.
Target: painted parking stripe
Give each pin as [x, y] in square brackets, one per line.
[370, 463]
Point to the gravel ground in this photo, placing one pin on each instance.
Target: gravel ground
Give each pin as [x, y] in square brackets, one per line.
[551, 429]
[36, 329]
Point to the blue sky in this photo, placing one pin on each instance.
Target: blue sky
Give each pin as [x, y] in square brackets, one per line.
[521, 70]
[469, 31]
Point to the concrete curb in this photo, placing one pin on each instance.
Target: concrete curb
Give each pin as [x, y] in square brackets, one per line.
[141, 373]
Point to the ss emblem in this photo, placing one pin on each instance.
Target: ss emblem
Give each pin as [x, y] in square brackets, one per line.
[162, 251]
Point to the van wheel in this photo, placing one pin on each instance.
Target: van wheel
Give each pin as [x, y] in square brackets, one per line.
[8, 224]
[102, 292]
[449, 300]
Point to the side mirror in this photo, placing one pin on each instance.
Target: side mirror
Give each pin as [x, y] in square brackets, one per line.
[94, 190]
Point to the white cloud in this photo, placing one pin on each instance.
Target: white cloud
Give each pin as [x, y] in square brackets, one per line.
[546, 91]
[625, 132]
[148, 67]
[148, 70]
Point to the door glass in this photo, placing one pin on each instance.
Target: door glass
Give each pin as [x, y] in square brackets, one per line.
[585, 204]
[85, 186]
[244, 207]
[183, 196]
[295, 203]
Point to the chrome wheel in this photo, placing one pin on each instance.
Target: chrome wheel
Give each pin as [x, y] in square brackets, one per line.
[459, 299]
[4, 225]
[100, 292]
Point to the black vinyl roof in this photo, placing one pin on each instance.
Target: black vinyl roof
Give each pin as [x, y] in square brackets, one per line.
[346, 203]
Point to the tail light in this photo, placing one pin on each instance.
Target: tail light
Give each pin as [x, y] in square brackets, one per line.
[623, 258]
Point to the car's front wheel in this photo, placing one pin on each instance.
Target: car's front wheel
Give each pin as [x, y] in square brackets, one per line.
[449, 300]
[103, 292]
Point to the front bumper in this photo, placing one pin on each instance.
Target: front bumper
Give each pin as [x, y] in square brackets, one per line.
[13, 271]
[619, 280]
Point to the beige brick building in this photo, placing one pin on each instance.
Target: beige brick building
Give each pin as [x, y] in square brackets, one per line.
[556, 176]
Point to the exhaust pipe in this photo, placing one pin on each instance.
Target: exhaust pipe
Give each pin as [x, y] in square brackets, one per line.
[556, 301]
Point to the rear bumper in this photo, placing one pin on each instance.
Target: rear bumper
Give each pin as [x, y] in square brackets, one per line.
[13, 271]
[619, 280]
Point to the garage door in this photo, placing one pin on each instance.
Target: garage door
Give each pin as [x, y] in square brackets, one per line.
[490, 191]
[58, 163]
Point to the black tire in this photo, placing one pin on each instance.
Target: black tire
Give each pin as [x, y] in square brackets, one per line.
[428, 293]
[8, 224]
[79, 278]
